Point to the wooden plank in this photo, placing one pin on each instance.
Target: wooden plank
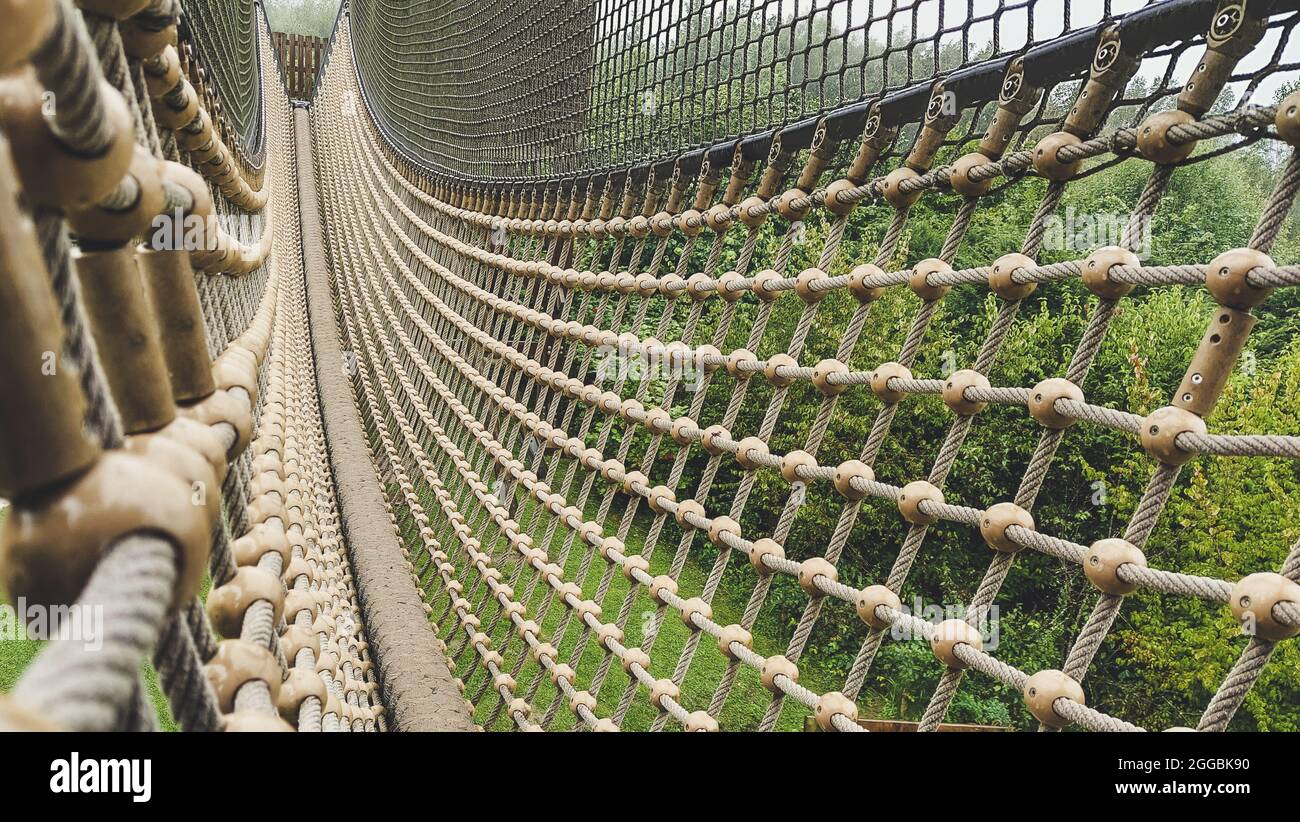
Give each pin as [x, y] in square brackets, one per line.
[301, 55]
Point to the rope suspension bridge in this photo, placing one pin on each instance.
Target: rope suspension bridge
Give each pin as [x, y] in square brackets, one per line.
[434, 400]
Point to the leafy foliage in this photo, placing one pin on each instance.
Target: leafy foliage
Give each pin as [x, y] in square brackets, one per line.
[312, 17]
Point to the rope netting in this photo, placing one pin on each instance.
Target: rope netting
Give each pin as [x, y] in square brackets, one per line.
[550, 367]
[161, 440]
[505, 252]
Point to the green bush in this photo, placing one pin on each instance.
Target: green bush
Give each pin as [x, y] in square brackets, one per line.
[311, 17]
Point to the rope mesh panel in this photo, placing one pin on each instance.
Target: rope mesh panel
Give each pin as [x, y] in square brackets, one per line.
[232, 484]
[542, 492]
[517, 92]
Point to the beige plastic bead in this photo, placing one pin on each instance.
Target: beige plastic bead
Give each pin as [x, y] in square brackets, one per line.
[762, 280]
[700, 286]
[631, 479]
[605, 725]
[635, 562]
[892, 191]
[765, 547]
[1225, 278]
[722, 525]
[708, 439]
[779, 361]
[1046, 162]
[948, 635]
[582, 699]
[51, 173]
[668, 286]
[635, 656]
[871, 598]
[693, 606]
[544, 649]
[785, 205]
[1102, 563]
[561, 671]
[700, 722]
[1162, 427]
[1253, 599]
[913, 494]
[749, 451]
[996, 520]
[735, 360]
[528, 626]
[954, 392]
[296, 638]
[959, 175]
[858, 279]
[658, 420]
[690, 222]
[849, 471]
[1153, 138]
[1042, 402]
[822, 372]
[27, 24]
[1000, 281]
[299, 685]
[227, 603]
[585, 608]
[880, 381]
[1096, 271]
[662, 586]
[803, 285]
[832, 704]
[812, 568]
[734, 633]
[727, 287]
[679, 429]
[1043, 689]
[664, 688]
[1287, 120]
[919, 281]
[774, 666]
[793, 461]
[689, 506]
[718, 218]
[608, 632]
[659, 496]
[833, 204]
[753, 211]
[236, 663]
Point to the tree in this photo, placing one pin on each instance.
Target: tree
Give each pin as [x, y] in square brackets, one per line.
[311, 17]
